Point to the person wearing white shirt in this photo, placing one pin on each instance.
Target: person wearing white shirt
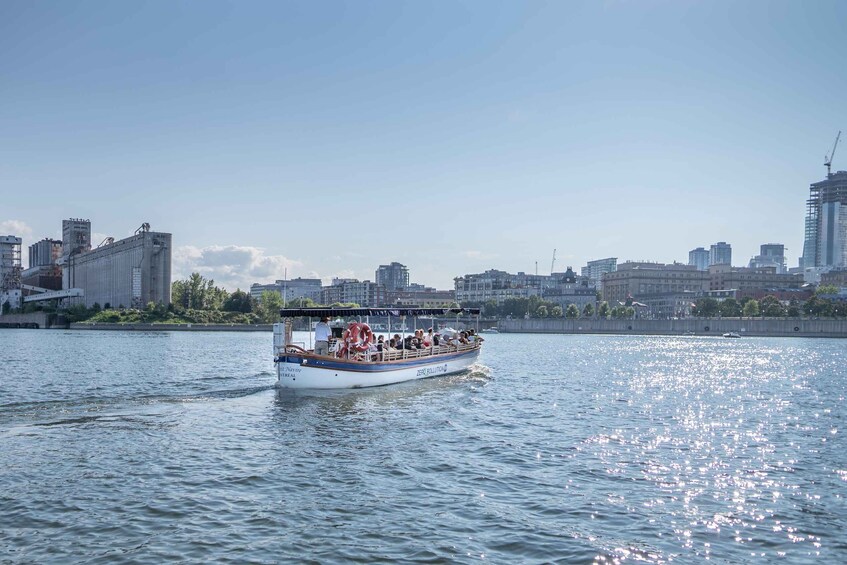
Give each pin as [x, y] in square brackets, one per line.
[322, 334]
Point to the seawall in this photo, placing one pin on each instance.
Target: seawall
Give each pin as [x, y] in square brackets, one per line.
[781, 327]
[174, 327]
[34, 320]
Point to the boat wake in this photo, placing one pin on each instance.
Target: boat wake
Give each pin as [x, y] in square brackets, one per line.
[86, 410]
[476, 373]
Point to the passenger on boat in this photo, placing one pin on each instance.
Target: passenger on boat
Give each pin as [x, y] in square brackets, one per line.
[427, 338]
[380, 343]
[322, 335]
[373, 351]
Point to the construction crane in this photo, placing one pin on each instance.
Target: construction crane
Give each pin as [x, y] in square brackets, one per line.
[828, 160]
[553, 264]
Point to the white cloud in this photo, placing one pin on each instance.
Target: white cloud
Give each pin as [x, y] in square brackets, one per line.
[231, 266]
[22, 230]
[15, 227]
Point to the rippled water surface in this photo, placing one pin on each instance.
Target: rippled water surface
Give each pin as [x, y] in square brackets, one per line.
[147, 447]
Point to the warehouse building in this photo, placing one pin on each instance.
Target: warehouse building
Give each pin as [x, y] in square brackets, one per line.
[130, 272]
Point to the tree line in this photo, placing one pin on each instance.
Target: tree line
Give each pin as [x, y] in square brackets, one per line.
[537, 307]
[817, 306]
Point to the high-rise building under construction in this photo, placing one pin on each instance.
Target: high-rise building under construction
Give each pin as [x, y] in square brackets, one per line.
[825, 242]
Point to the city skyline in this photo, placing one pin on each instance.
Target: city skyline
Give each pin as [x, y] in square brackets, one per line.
[330, 139]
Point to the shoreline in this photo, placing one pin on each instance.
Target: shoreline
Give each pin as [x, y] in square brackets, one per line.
[172, 327]
[754, 327]
[715, 327]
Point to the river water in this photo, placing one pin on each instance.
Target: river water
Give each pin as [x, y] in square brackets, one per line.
[131, 447]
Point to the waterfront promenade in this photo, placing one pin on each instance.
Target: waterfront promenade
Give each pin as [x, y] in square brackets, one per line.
[764, 327]
[767, 327]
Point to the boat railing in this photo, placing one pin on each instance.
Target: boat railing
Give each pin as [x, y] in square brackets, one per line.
[434, 350]
[389, 355]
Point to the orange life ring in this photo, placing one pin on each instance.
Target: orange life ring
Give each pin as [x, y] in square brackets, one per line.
[357, 337]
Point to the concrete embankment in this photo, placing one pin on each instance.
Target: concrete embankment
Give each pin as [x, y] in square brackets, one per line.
[174, 327]
[689, 326]
[34, 320]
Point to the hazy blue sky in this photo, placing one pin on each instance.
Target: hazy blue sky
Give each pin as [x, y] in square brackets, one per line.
[454, 137]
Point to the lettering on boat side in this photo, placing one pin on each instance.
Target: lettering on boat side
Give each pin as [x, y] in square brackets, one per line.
[429, 371]
[289, 371]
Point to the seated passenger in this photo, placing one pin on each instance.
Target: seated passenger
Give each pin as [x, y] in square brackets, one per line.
[373, 351]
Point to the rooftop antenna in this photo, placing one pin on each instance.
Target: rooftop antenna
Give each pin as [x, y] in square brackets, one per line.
[828, 160]
[553, 264]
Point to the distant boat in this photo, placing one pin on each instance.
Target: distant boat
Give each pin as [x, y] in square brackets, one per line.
[489, 331]
[731, 334]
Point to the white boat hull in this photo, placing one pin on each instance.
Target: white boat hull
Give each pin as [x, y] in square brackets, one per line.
[310, 372]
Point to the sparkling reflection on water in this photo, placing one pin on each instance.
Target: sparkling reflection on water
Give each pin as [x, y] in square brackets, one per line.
[143, 447]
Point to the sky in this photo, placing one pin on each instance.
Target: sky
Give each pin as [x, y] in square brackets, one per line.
[324, 138]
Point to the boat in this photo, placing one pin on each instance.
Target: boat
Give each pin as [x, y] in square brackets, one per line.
[350, 363]
[491, 330]
[732, 334]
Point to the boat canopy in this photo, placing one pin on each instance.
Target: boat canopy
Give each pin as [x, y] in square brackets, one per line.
[336, 312]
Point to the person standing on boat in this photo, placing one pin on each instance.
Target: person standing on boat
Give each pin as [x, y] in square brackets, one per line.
[322, 333]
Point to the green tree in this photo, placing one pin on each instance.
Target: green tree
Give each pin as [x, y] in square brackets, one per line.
[490, 309]
[556, 311]
[751, 308]
[730, 308]
[541, 311]
[706, 307]
[603, 310]
[827, 289]
[238, 301]
[629, 312]
[818, 307]
[515, 307]
[588, 311]
[793, 310]
[301, 302]
[572, 312]
[269, 305]
[771, 307]
[198, 293]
